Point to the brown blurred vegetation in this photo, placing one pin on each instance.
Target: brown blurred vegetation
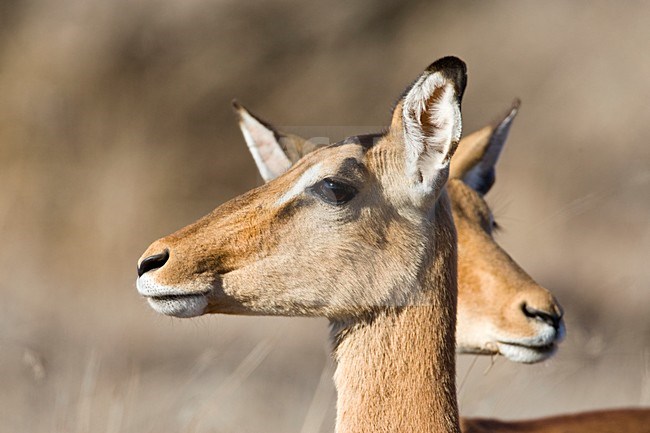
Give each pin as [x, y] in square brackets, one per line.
[116, 128]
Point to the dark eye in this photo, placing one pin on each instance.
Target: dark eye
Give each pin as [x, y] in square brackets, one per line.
[334, 191]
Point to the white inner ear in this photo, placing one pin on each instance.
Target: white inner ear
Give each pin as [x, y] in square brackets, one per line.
[263, 146]
[428, 147]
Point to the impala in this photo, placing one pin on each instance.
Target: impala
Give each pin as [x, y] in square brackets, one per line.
[500, 308]
[341, 234]
[497, 300]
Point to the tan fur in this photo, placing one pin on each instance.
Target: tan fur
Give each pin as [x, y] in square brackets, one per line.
[388, 290]
[492, 288]
[603, 421]
[381, 392]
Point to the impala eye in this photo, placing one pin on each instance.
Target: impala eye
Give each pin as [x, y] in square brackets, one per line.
[334, 191]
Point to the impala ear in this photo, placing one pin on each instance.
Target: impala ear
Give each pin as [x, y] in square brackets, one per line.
[273, 151]
[263, 143]
[479, 152]
[430, 121]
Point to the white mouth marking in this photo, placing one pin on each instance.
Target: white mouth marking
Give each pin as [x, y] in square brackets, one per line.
[535, 349]
[179, 306]
[172, 301]
[526, 354]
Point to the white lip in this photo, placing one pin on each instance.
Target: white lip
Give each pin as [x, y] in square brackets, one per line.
[148, 287]
[529, 350]
[171, 301]
[179, 306]
[526, 354]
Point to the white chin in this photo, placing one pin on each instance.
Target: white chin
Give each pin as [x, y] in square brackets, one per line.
[526, 354]
[179, 306]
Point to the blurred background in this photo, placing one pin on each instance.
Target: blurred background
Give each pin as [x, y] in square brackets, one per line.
[116, 128]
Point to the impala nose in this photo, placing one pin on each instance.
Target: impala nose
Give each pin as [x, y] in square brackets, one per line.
[552, 316]
[153, 262]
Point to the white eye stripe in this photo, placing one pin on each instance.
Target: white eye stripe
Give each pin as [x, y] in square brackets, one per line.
[309, 177]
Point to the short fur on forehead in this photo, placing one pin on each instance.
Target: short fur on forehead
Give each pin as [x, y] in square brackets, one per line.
[364, 140]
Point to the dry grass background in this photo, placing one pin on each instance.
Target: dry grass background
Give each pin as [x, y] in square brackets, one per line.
[116, 128]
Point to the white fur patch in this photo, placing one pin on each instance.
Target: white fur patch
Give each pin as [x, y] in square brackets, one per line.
[309, 177]
[535, 348]
[526, 355]
[188, 306]
[172, 301]
[263, 146]
[147, 286]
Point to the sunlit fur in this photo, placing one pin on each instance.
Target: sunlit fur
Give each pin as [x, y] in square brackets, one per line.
[245, 248]
[492, 288]
[388, 290]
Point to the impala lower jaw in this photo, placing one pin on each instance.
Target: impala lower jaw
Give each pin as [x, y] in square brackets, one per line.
[179, 305]
[532, 349]
[526, 354]
[172, 301]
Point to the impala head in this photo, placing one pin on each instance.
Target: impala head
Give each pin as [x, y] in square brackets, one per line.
[500, 308]
[337, 235]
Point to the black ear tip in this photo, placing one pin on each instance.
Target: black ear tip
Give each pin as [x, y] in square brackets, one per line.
[448, 63]
[236, 106]
[453, 69]
[510, 114]
[514, 108]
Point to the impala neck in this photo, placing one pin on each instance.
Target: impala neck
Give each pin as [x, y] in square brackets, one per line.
[396, 370]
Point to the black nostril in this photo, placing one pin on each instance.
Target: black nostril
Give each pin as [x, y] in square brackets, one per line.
[552, 319]
[153, 262]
